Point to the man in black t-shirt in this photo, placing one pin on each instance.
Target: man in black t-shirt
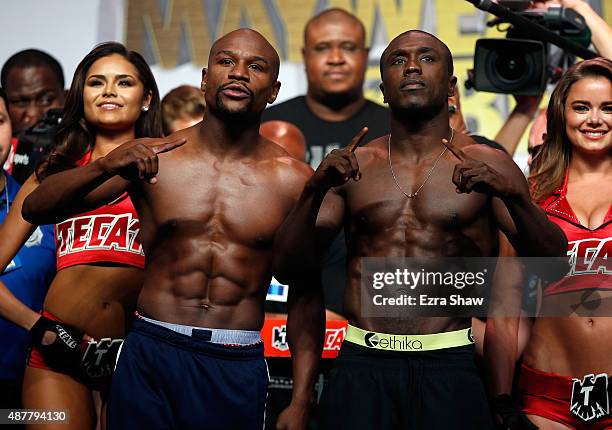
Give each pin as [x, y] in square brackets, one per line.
[34, 84]
[322, 136]
[333, 110]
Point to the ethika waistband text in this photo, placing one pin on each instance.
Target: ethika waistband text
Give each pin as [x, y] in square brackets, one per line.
[407, 342]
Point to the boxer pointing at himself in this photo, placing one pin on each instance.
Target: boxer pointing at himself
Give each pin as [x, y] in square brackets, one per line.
[407, 195]
[209, 204]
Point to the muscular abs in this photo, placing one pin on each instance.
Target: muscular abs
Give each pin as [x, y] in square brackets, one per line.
[208, 229]
[438, 222]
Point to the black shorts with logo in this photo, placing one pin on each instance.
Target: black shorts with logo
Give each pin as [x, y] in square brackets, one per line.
[428, 390]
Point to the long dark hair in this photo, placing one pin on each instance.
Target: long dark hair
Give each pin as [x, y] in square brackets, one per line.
[74, 136]
[3, 97]
[549, 166]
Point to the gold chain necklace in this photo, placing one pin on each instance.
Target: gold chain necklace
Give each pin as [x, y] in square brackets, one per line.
[416, 193]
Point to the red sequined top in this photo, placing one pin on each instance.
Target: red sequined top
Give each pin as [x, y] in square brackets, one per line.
[589, 250]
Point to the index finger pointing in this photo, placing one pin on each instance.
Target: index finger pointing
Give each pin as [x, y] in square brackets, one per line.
[357, 139]
[168, 146]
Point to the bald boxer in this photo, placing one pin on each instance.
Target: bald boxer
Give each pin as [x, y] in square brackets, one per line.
[423, 190]
[287, 136]
[210, 200]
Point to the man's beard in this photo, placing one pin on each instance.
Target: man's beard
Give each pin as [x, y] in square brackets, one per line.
[244, 112]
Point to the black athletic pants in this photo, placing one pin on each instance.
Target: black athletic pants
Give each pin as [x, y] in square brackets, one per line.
[432, 390]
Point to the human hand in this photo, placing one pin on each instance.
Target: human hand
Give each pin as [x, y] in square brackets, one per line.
[294, 417]
[571, 4]
[58, 343]
[137, 159]
[472, 174]
[339, 166]
[527, 104]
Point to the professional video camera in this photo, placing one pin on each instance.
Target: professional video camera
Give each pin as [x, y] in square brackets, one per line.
[34, 143]
[526, 60]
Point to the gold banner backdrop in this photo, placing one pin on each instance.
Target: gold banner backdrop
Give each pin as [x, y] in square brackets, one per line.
[173, 32]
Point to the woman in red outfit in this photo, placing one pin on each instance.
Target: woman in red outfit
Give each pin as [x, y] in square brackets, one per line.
[567, 362]
[113, 99]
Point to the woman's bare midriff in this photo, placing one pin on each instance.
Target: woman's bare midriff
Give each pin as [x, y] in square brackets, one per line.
[574, 345]
[99, 300]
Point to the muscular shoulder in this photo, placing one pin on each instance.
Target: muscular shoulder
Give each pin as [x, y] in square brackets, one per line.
[372, 151]
[288, 173]
[494, 157]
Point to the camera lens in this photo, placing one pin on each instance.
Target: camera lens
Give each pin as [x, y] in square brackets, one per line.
[511, 67]
[509, 70]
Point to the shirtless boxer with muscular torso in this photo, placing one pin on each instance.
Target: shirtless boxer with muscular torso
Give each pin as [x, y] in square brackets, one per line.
[407, 210]
[194, 358]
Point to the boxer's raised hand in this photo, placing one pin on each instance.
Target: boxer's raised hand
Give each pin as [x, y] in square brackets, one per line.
[137, 159]
[339, 166]
[472, 174]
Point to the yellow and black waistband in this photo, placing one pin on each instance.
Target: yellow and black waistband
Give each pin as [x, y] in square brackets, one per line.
[408, 342]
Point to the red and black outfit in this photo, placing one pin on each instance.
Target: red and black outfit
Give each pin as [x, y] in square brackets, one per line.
[108, 234]
[582, 401]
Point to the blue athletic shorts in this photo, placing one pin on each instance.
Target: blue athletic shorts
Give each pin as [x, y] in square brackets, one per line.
[167, 380]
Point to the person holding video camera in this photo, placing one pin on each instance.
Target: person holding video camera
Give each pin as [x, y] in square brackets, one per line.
[527, 105]
[601, 33]
[34, 84]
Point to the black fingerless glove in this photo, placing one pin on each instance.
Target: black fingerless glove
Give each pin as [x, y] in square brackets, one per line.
[511, 415]
[64, 353]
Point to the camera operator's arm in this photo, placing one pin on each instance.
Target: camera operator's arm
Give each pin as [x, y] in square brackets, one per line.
[510, 133]
[601, 33]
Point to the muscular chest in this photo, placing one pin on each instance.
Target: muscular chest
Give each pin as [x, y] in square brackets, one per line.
[377, 202]
[220, 201]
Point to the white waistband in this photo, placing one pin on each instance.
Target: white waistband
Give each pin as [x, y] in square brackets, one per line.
[217, 335]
